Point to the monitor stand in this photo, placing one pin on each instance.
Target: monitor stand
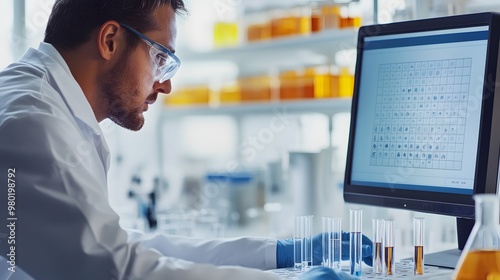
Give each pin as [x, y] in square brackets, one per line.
[449, 258]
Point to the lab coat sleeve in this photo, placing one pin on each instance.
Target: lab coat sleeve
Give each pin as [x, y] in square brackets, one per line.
[65, 228]
[245, 251]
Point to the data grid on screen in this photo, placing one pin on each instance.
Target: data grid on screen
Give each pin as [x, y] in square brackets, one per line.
[420, 115]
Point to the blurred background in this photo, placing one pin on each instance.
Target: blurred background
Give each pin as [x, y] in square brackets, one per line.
[256, 127]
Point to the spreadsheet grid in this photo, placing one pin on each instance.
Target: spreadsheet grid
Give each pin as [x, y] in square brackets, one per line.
[420, 114]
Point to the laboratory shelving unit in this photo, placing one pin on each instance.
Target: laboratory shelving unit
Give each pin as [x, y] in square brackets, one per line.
[276, 52]
[325, 106]
[268, 57]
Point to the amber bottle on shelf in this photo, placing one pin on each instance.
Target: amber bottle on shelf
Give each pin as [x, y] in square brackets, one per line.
[255, 88]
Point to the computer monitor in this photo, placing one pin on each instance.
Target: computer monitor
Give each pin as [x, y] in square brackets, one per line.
[425, 120]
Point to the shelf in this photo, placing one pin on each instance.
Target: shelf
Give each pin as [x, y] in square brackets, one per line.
[325, 106]
[326, 42]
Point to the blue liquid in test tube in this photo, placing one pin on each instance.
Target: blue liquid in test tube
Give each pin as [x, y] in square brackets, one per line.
[355, 257]
[355, 253]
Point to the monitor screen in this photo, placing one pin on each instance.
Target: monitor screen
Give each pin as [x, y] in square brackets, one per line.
[423, 133]
[414, 106]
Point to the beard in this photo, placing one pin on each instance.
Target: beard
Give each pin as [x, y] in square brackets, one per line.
[121, 92]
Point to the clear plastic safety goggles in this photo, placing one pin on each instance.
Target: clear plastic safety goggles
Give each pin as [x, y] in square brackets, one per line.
[166, 62]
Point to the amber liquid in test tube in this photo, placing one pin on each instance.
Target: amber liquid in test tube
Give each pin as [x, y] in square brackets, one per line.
[389, 247]
[418, 243]
[378, 236]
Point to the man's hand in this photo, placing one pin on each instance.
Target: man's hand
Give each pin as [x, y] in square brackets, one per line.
[284, 250]
[366, 249]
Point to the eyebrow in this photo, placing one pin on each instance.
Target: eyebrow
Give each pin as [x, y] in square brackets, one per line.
[170, 49]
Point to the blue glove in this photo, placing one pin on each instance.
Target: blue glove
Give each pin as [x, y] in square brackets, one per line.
[325, 273]
[284, 250]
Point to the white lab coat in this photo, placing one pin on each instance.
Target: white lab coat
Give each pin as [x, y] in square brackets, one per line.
[65, 228]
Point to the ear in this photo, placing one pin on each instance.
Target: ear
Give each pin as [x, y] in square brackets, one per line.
[108, 39]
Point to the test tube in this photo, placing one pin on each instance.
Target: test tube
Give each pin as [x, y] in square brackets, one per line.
[297, 242]
[336, 243]
[389, 246]
[332, 242]
[326, 236]
[378, 237]
[307, 241]
[355, 234]
[418, 243]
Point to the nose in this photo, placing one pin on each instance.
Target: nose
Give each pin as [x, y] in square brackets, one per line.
[165, 87]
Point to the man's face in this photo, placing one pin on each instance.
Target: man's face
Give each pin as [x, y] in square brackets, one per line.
[130, 87]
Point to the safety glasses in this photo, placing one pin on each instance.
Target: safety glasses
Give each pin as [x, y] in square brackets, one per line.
[166, 62]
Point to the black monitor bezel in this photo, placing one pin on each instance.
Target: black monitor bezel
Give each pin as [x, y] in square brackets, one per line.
[486, 174]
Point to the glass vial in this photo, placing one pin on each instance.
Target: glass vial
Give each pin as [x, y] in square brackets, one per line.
[325, 241]
[418, 245]
[355, 257]
[377, 249]
[336, 243]
[389, 242]
[332, 242]
[302, 242]
[307, 242]
[297, 242]
[480, 258]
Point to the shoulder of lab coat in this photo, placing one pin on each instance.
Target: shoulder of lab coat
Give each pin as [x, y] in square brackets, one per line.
[66, 228]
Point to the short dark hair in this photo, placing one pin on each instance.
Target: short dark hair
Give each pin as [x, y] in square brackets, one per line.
[72, 21]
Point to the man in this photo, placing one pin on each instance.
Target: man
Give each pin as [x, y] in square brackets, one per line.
[100, 59]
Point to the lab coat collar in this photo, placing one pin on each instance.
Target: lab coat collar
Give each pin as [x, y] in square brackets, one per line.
[62, 79]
